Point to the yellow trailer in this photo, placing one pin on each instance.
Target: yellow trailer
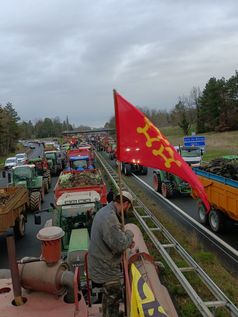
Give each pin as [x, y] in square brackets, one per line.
[14, 202]
[223, 197]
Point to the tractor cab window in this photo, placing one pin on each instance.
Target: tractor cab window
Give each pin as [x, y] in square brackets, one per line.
[79, 164]
[23, 173]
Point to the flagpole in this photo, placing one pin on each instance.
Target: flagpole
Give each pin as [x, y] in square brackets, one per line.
[119, 169]
[124, 259]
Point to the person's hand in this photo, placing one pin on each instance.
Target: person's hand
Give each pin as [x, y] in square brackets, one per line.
[132, 245]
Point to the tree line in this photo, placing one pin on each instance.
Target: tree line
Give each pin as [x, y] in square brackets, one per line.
[12, 129]
[214, 109]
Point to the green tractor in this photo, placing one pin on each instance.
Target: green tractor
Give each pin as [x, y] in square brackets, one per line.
[42, 169]
[25, 175]
[54, 162]
[169, 184]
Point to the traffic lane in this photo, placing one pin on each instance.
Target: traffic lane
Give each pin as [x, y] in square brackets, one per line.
[193, 231]
[37, 151]
[189, 206]
[29, 245]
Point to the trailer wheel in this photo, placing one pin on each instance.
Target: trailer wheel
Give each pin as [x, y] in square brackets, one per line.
[46, 185]
[35, 201]
[20, 227]
[157, 184]
[216, 220]
[202, 214]
[167, 190]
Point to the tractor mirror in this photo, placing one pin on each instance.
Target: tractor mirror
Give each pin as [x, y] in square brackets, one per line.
[37, 219]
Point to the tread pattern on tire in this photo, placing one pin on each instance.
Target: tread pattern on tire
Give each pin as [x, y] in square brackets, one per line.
[46, 185]
[35, 201]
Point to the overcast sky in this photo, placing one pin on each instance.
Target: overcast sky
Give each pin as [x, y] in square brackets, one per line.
[64, 57]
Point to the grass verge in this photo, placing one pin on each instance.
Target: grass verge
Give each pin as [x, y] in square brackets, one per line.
[207, 260]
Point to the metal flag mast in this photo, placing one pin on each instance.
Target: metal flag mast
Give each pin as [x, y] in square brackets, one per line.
[125, 262]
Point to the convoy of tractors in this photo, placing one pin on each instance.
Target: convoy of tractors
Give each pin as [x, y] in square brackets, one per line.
[79, 193]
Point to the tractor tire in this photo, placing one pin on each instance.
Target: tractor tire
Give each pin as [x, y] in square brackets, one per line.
[167, 190]
[49, 178]
[202, 213]
[20, 227]
[127, 170]
[216, 220]
[46, 185]
[35, 201]
[157, 184]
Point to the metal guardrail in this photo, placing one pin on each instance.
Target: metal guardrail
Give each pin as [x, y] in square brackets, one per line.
[142, 214]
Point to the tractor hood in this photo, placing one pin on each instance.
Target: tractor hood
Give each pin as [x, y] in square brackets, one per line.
[71, 198]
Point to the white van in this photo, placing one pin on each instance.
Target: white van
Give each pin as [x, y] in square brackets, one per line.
[21, 158]
[10, 162]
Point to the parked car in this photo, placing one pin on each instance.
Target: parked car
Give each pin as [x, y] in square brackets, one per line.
[21, 158]
[10, 162]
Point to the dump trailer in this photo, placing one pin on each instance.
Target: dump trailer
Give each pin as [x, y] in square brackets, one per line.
[14, 202]
[222, 195]
[80, 181]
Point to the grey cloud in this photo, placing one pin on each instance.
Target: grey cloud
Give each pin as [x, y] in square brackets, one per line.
[60, 58]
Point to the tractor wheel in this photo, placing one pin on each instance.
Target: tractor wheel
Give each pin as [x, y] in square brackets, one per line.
[167, 190]
[216, 220]
[35, 201]
[202, 214]
[127, 169]
[19, 228]
[49, 178]
[157, 184]
[46, 185]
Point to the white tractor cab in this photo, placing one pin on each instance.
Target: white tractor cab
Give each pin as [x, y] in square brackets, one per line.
[192, 155]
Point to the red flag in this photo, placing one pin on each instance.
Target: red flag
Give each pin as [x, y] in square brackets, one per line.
[139, 141]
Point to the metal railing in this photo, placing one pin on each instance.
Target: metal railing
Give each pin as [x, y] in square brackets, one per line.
[143, 214]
